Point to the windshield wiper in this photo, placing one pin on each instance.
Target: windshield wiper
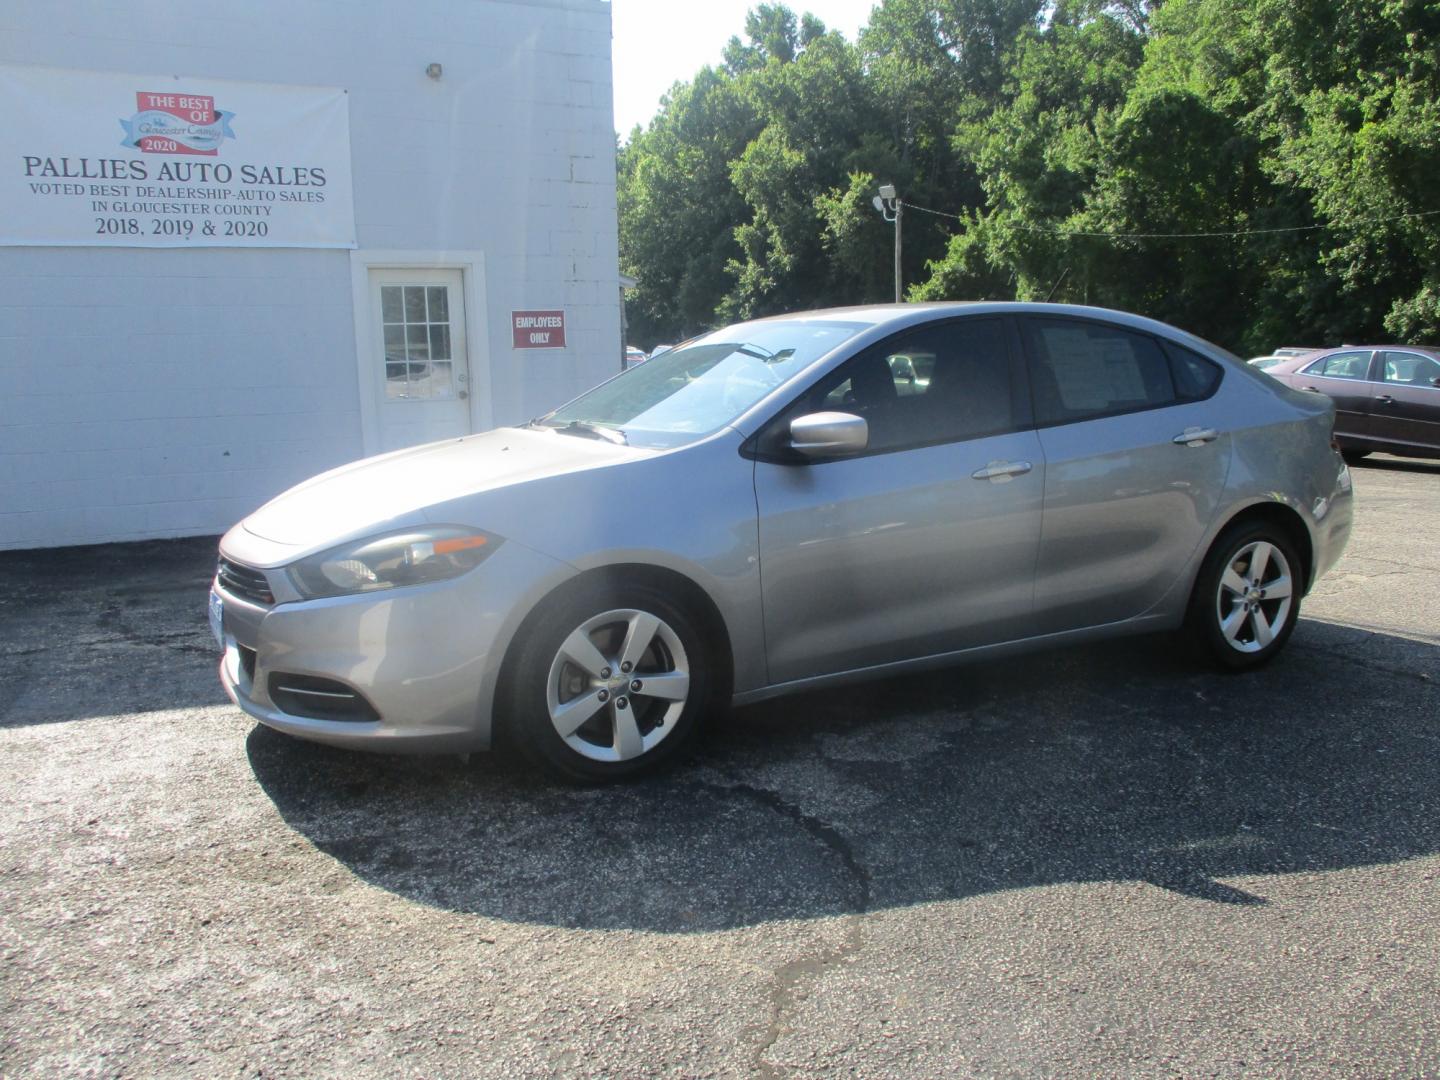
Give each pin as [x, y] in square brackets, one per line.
[587, 430]
[765, 355]
[756, 351]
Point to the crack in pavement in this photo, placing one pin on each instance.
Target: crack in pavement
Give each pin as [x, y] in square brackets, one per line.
[1372, 665]
[112, 618]
[785, 994]
[1405, 567]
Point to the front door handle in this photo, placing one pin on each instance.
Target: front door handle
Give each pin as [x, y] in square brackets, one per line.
[1194, 436]
[1001, 472]
[1385, 399]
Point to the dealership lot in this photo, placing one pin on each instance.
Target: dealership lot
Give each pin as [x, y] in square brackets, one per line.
[1108, 860]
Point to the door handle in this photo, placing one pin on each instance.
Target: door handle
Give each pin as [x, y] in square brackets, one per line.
[1000, 472]
[1194, 436]
[1312, 389]
[1385, 399]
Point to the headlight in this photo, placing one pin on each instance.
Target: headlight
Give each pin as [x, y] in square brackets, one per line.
[411, 557]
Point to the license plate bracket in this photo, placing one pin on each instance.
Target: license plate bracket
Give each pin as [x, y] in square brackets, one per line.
[217, 617]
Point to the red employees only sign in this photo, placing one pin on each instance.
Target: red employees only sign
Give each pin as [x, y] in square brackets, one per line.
[538, 329]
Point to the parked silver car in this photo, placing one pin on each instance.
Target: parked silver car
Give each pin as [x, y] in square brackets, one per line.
[779, 505]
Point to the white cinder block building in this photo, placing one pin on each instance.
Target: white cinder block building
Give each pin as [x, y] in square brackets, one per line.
[240, 244]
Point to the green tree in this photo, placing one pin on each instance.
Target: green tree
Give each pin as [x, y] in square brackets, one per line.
[1039, 155]
[815, 110]
[678, 207]
[770, 29]
[1081, 147]
[1340, 98]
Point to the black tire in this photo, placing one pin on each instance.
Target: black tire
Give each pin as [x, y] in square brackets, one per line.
[1224, 620]
[1352, 456]
[544, 681]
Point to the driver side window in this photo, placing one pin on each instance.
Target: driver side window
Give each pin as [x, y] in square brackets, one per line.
[1413, 369]
[938, 384]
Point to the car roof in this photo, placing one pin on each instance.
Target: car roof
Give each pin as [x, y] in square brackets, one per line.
[884, 319]
[898, 316]
[1425, 350]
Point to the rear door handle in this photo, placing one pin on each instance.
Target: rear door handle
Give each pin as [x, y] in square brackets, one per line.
[1000, 472]
[1385, 399]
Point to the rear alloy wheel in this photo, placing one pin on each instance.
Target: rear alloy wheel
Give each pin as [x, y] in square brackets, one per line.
[611, 685]
[1247, 600]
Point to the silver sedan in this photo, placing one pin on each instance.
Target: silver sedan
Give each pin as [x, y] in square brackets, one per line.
[784, 504]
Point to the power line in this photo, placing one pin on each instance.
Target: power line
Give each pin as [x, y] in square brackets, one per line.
[1177, 235]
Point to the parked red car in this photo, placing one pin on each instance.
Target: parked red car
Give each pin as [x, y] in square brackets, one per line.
[1387, 397]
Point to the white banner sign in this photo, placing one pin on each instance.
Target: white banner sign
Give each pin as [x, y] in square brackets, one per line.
[95, 158]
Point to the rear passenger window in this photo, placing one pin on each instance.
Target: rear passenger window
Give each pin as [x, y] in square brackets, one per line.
[1345, 365]
[1195, 377]
[1080, 370]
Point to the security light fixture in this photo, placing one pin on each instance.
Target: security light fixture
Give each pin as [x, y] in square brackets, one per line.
[891, 209]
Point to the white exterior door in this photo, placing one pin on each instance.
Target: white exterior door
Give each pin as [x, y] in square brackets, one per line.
[421, 370]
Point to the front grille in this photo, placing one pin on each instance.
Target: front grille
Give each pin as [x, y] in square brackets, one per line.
[245, 582]
[319, 699]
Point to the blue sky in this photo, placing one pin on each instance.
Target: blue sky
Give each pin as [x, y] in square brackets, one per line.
[660, 42]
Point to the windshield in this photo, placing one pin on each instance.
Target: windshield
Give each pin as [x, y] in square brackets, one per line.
[695, 390]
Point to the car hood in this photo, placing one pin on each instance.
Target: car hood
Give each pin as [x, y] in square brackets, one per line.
[395, 490]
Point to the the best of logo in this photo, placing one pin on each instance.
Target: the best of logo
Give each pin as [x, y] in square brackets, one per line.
[176, 124]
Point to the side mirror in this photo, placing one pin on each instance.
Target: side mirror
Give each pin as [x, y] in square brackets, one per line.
[829, 434]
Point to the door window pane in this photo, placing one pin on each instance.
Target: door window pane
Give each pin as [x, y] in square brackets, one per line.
[391, 309]
[1195, 377]
[1412, 369]
[416, 328]
[939, 384]
[1080, 370]
[1346, 365]
[439, 341]
[441, 380]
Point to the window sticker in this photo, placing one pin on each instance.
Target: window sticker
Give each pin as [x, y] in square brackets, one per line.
[1093, 373]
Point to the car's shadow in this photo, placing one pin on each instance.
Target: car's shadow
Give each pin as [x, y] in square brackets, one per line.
[1123, 761]
[1397, 464]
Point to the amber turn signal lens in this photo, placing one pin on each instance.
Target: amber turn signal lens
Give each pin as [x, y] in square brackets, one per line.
[459, 543]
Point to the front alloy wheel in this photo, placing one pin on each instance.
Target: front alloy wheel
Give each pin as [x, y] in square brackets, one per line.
[618, 685]
[610, 681]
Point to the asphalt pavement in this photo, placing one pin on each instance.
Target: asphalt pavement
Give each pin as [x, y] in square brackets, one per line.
[1103, 861]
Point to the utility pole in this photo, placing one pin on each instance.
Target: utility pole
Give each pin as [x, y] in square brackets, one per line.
[892, 209]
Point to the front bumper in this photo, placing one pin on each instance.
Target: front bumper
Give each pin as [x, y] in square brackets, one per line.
[427, 658]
